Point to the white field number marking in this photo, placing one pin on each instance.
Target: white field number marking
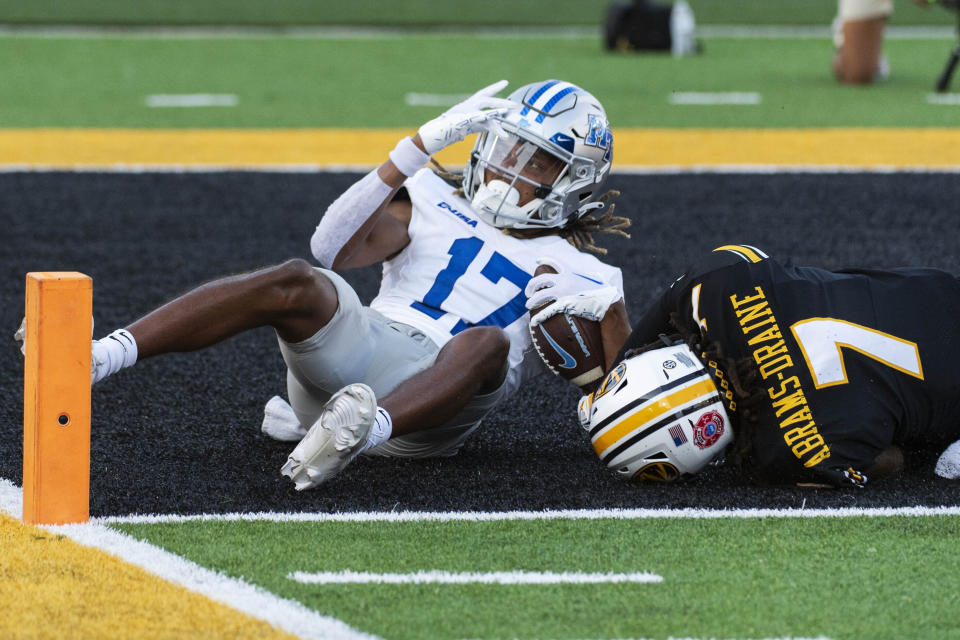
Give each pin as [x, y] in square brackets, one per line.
[446, 577]
[822, 340]
[707, 98]
[188, 100]
[434, 99]
[944, 99]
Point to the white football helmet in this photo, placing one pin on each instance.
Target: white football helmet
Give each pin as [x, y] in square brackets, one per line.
[657, 416]
[556, 145]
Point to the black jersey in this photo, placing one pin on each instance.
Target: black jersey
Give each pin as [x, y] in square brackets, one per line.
[850, 361]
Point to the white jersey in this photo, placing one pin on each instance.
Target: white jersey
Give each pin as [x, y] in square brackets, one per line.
[459, 272]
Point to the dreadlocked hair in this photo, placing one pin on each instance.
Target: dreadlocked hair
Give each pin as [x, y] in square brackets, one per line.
[450, 176]
[578, 232]
[737, 380]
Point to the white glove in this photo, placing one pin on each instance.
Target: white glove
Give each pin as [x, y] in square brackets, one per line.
[592, 305]
[21, 336]
[549, 287]
[464, 119]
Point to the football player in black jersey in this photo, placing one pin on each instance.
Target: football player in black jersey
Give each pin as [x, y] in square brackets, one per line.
[801, 375]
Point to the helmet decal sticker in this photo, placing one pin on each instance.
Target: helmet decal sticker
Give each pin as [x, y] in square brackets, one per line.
[553, 101]
[679, 437]
[563, 141]
[599, 134]
[536, 96]
[708, 429]
[611, 381]
[657, 472]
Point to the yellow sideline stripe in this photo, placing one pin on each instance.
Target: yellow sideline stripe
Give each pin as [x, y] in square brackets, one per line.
[864, 147]
[52, 587]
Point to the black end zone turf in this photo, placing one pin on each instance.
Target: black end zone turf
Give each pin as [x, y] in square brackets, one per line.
[181, 433]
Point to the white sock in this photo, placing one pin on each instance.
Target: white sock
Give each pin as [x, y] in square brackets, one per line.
[381, 430]
[116, 351]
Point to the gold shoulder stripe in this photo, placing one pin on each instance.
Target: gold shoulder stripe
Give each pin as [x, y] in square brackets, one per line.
[747, 253]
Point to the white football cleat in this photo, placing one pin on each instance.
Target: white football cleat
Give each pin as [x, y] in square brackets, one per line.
[335, 438]
[280, 422]
[948, 466]
[21, 336]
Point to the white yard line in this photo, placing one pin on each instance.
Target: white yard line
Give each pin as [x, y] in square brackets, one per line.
[715, 97]
[493, 577]
[576, 32]
[948, 99]
[567, 514]
[288, 615]
[159, 100]
[11, 499]
[816, 32]
[434, 99]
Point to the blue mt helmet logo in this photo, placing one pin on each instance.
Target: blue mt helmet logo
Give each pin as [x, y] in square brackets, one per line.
[599, 135]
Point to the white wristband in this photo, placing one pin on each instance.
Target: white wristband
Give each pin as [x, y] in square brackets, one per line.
[407, 157]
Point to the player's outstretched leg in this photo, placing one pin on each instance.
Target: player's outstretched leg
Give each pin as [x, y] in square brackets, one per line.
[473, 362]
[335, 438]
[293, 298]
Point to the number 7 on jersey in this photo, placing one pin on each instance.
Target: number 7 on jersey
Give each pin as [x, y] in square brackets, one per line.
[822, 341]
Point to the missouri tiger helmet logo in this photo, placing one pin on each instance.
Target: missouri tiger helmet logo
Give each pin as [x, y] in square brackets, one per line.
[611, 381]
[657, 472]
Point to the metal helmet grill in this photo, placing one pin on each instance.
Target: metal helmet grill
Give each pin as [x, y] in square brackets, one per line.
[552, 117]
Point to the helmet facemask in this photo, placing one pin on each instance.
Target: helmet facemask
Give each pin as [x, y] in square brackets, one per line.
[571, 144]
[518, 182]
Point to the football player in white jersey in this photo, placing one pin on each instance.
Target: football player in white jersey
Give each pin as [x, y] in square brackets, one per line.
[447, 337]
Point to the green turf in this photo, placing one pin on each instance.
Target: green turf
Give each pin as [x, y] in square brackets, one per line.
[843, 578]
[348, 83]
[417, 12]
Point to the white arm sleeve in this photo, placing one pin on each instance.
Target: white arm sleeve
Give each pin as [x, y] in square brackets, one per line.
[345, 216]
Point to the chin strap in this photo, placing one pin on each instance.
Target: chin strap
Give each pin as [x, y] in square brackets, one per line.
[590, 206]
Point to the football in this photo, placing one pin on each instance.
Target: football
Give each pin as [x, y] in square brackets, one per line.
[571, 346]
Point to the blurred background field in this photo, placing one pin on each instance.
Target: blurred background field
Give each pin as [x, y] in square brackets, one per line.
[416, 12]
[371, 82]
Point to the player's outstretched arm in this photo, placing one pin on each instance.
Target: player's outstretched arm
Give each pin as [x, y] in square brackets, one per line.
[354, 232]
